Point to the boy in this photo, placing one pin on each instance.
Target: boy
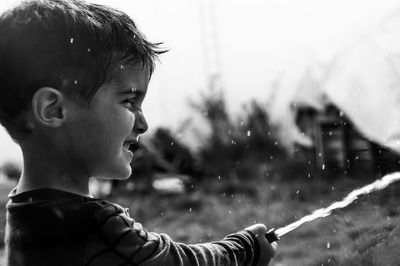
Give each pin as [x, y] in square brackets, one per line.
[73, 77]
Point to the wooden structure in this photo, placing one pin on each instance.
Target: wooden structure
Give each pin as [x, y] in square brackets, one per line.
[339, 148]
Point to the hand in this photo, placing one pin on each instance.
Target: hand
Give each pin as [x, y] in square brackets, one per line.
[267, 250]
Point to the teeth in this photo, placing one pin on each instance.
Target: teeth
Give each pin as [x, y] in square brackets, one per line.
[128, 144]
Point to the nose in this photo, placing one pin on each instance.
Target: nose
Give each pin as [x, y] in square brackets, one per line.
[140, 125]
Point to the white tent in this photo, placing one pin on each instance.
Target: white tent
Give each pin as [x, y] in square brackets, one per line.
[362, 80]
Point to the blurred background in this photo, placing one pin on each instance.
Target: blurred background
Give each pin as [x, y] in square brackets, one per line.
[263, 111]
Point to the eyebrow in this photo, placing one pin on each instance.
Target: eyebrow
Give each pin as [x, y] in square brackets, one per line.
[129, 91]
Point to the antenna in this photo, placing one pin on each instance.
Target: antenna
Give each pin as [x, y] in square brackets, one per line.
[212, 55]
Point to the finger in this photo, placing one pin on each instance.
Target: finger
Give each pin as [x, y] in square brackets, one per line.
[275, 245]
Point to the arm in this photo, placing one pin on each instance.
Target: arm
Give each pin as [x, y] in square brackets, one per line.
[121, 241]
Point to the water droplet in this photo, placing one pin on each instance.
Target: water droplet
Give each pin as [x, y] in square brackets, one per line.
[330, 133]
[190, 209]
[328, 245]
[276, 143]
[219, 177]
[323, 166]
[89, 50]
[122, 67]
[248, 133]
[298, 191]
[71, 40]
[172, 143]
[75, 82]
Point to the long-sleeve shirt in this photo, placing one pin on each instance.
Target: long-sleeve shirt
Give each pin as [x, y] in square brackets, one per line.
[52, 227]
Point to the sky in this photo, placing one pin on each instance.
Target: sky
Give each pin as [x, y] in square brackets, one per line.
[252, 40]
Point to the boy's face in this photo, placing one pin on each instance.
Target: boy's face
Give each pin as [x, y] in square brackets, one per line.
[99, 136]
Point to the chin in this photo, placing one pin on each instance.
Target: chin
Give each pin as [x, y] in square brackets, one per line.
[118, 173]
[121, 177]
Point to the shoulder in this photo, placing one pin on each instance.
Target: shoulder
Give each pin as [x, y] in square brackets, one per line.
[117, 237]
[112, 220]
[104, 212]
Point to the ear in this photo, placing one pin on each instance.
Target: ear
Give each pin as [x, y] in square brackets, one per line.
[48, 107]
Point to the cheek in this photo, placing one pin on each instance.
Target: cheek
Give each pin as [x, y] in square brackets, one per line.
[122, 125]
[112, 126]
[126, 121]
[118, 119]
[131, 119]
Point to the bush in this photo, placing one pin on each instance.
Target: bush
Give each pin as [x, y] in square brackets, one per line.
[11, 170]
[235, 145]
[175, 153]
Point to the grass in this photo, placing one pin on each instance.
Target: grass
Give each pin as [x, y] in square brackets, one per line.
[353, 236]
[365, 233]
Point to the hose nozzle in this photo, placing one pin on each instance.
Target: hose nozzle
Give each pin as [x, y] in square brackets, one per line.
[271, 236]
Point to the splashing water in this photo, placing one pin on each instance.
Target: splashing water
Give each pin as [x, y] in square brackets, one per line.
[350, 198]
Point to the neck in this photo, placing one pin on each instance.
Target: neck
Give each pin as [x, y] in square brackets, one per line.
[44, 169]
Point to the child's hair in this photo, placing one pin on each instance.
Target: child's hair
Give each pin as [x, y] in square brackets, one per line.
[69, 45]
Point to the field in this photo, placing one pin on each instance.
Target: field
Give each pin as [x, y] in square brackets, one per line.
[365, 233]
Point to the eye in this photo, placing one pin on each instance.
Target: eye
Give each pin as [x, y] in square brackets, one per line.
[132, 103]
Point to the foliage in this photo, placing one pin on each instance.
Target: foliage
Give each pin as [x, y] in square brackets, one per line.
[234, 145]
[11, 170]
[175, 153]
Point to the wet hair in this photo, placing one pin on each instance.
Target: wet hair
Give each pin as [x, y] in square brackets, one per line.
[69, 45]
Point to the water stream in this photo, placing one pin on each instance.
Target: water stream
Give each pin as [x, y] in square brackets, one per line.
[350, 198]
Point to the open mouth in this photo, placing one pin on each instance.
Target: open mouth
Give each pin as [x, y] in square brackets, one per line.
[130, 145]
[126, 146]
